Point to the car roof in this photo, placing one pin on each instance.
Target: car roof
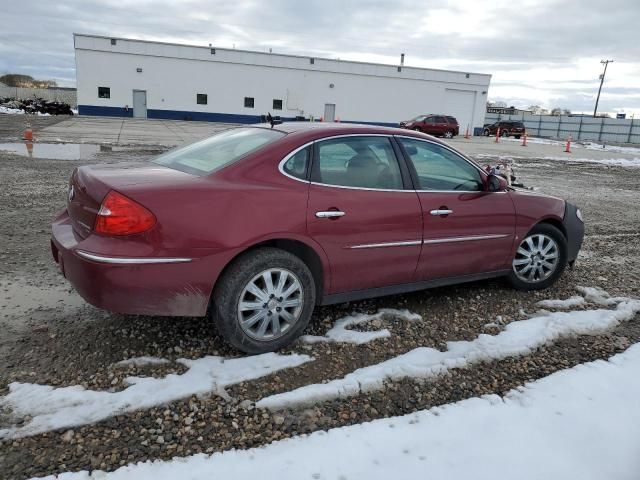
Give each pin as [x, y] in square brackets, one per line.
[316, 130]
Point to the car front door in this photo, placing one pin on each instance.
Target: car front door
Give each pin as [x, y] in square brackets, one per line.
[467, 230]
[441, 126]
[364, 213]
[430, 126]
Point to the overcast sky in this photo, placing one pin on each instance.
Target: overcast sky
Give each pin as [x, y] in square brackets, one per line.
[544, 52]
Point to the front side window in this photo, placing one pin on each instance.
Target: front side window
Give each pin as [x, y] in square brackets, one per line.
[213, 153]
[440, 169]
[364, 162]
[104, 92]
[297, 165]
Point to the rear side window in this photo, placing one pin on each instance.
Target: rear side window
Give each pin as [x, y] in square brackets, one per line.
[363, 162]
[297, 164]
[440, 169]
[213, 153]
[452, 120]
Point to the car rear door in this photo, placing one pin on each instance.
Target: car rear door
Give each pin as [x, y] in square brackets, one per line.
[364, 213]
[466, 230]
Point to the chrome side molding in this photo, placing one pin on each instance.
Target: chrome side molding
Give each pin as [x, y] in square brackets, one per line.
[130, 260]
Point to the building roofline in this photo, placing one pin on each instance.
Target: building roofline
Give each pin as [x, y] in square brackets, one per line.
[276, 54]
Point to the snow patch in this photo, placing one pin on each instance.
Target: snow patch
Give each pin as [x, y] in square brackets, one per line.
[53, 408]
[581, 423]
[570, 302]
[141, 362]
[518, 338]
[340, 332]
[618, 162]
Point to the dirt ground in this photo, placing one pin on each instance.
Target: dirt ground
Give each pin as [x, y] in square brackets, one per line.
[48, 335]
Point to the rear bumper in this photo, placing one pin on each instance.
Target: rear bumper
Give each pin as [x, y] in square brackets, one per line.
[575, 231]
[149, 285]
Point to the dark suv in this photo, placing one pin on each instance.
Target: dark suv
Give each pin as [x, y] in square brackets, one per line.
[436, 125]
[508, 128]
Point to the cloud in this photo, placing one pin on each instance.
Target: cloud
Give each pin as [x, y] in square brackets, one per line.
[539, 51]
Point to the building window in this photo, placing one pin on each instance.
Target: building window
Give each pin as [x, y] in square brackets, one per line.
[104, 92]
[399, 69]
[277, 104]
[113, 41]
[213, 51]
[248, 102]
[312, 61]
[201, 98]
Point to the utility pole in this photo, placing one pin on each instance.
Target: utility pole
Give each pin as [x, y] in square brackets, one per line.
[605, 63]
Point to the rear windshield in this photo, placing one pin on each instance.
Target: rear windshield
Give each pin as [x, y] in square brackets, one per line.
[518, 124]
[213, 153]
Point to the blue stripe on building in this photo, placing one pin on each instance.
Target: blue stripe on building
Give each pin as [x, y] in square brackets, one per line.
[100, 111]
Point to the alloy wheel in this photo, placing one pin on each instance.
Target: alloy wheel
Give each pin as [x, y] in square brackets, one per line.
[448, 134]
[270, 304]
[537, 258]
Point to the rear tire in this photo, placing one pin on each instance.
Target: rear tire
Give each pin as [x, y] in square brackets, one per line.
[504, 133]
[277, 313]
[517, 137]
[540, 258]
[448, 134]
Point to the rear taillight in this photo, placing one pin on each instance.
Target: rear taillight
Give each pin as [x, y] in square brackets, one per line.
[119, 215]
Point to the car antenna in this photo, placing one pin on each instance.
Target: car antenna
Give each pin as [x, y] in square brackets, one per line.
[270, 119]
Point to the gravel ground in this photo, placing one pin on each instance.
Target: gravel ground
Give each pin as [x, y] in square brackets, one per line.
[51, 337]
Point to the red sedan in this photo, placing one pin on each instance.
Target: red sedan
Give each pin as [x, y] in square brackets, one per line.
[255, 226]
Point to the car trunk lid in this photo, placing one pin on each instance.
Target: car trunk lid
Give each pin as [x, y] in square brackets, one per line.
[89, 185]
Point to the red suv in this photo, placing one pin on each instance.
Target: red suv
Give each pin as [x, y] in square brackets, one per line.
[508, 128]
[255, 226]
[436, 125]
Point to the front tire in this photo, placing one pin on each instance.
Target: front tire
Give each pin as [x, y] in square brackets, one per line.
[486, 132]
[540, 258]
[264, 300]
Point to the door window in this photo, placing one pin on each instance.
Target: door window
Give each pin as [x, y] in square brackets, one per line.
[440, 120]
[296, 166]
[364, 162]
[438, 168]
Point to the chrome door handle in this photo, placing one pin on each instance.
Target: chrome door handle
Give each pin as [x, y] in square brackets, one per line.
[330, 214]
[436, 213]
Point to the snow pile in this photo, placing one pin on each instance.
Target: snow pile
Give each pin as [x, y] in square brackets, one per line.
[571, 302]
[340, 332]
[52, 408]
[581, 423]
[141, 362]
[619, 162]
[611, 148]
[517, 338]
[14, 111]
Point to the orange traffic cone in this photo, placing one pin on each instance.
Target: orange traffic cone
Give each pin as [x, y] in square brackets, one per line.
[524, 140]
[30, 149]
[567, 148]
[28, 133]
[338, 120]
[498, 135]
[322, 119]
[466, 133]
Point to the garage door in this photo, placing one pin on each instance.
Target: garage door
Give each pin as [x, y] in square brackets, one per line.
[461, 104]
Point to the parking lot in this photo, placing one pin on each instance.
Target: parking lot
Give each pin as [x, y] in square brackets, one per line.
[51, 337]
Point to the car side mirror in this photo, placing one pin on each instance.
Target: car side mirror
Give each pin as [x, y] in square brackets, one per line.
[495, 183]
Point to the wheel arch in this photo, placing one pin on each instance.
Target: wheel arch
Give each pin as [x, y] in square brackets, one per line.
[553, 222]
[314, 259]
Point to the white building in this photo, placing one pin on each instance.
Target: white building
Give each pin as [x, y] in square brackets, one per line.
[123, 77]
